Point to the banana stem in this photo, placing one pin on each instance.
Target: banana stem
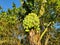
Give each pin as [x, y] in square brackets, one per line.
[46, 29]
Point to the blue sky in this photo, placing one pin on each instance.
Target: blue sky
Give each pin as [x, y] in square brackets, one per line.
[8, 4]
[57, 25]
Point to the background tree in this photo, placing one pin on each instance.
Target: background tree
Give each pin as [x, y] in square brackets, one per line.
[15, 28]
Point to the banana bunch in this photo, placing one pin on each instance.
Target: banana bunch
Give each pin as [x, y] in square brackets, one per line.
[31, 20]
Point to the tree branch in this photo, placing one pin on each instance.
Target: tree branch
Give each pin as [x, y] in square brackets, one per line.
[46, 29]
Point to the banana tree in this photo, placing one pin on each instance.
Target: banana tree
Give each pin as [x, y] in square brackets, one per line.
[46, 11]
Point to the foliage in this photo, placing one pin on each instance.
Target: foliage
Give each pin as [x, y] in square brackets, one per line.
[7, 20]
[39, 15]
[8, 28]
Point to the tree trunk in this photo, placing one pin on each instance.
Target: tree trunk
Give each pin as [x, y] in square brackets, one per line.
[34, 38]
